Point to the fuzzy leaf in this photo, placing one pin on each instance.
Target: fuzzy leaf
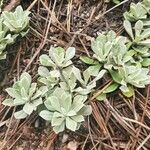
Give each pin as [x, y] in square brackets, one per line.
[146, 62]
[88, 60]
[70, 53]
[20, 114]
[47, 115]
[128, 28]
[8, 102]
[28, 108]
[71, 124]
[46, 61]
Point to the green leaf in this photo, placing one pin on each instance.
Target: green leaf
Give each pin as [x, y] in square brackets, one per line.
[43, 71]
[46, 61]
[47, 115]
[85, 110]
[101, 97]
[111, 88]
[77, 74]
[32, 89]
[19, 101]
[130, 92]
[70, 53]
[8, 102]
[128, 28]
[56, 121]
[12, 92]
[25, 80]
[55, 102]
[28, 108]
[146, 62]
[116, 77]
[138, 28]
[94, 70]
[88, 60]
[20, 114]
[58, 129]
[71, 124]
[78, 118]
[58, 55]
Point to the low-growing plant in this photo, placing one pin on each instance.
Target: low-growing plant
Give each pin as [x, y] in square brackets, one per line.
[62, 89]
[17, 21]
[26, 94]
[64, 110]
[12, 24]
[137, 11]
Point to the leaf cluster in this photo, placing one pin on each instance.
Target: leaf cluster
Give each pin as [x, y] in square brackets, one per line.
[12, 25]
[126, 59]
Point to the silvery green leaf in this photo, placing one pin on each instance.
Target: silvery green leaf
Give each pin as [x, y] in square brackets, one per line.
[85, 110]
[77, 74]
[86, 76]
[71, 113]
[101, 97]
[25, 80]
[58, 129]
[48, 105]
[47, 115]
[28, 108]
[55, 103]
[20, 114]
[19, 101]
[145, 43]
[12, 92]
[71, 124]
[128, 28]
[8, 102]
[63, 85]
[44, 90]
[145, 33]
[146, 62]
[58, 55]
[56, 121]
[72, 83]
[37, 94]
[43, 71]
[70, 53]
[128, 56]
[88, 60]
[78, 118]
[55, 73]
[76, 106]
[80, 98]
[100, 75]
[32, 89]
[111, 88]
[94, 70]
[82, 91]
[138, 28]
[24, 93]
[46, 61]
[37, 102]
